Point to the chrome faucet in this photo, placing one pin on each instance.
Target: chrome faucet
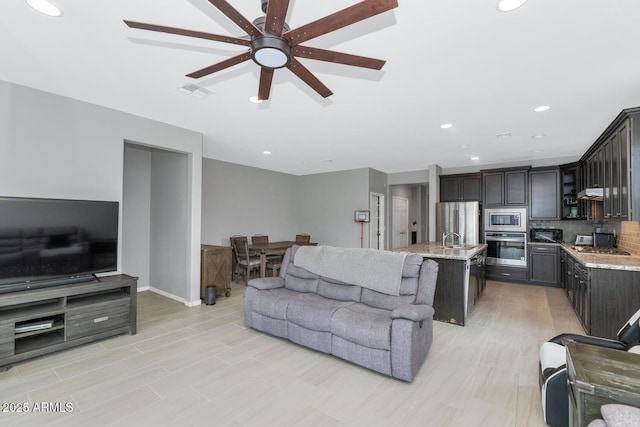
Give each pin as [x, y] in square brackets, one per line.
[445, 235]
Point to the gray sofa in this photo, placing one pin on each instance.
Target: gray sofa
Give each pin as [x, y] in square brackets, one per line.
[390, 334]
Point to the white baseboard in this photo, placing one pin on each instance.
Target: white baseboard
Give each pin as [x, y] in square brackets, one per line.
[170, 296]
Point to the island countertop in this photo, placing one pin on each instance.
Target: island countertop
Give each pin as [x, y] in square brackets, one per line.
[435, 250]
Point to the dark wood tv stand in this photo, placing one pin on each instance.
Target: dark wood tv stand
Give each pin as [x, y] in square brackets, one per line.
[40, 321]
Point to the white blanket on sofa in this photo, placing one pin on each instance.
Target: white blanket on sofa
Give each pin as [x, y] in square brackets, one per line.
[378, 270]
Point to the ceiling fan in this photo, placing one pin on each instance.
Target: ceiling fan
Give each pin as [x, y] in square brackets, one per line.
[273, 45]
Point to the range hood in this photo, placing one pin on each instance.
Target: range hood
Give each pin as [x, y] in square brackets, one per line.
[591, 194]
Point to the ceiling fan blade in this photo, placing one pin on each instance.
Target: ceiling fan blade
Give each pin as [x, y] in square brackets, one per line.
[236, 17]
[358, 12]
[266, 76]
[188, 33]
[276, 14]
[337, 57]
[305, 75]
[245, 56]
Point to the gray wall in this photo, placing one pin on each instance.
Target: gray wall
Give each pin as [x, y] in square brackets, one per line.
[327, 203]
[52, 146]
[136, 213]
[168, 222]
[244, 200]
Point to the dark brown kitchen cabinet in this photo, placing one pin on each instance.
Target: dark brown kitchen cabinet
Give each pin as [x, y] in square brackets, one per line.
[602, 298]
[505, 187]
[461, 188]
[572, 180]
[544, 194]
[616, 158]
[609, 163]
[544, 260]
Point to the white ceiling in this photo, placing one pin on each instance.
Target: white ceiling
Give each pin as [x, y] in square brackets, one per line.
[457, 61]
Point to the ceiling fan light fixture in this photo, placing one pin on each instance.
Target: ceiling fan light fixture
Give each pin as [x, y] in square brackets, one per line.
[509, 5]
[270, 51]
[45, 7]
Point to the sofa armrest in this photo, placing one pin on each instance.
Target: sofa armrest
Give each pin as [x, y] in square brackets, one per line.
[415, 312]
[265, 283]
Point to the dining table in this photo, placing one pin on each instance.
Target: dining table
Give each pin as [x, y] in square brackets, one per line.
[272, 248]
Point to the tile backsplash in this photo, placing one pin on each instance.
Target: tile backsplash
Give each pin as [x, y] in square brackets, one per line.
[629, 239]
[571, 228]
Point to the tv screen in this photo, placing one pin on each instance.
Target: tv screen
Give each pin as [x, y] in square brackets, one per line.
[54, 241]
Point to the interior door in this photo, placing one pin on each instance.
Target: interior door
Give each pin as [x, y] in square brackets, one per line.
[400, 207]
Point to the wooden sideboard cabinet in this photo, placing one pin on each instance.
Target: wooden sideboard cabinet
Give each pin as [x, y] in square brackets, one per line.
[40, 321]
[215, 269]
[598, 376]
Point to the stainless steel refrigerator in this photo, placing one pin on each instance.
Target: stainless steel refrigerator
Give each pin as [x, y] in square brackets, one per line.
[458, 217]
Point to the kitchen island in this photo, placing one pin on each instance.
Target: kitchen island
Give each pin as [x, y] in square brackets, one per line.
[460, 277]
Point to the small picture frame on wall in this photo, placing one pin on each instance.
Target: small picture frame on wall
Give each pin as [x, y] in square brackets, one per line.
[361, 216]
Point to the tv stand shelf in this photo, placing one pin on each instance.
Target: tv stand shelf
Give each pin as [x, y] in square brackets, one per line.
[64, 316]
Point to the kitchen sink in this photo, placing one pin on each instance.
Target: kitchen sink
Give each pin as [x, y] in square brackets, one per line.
[461, 247]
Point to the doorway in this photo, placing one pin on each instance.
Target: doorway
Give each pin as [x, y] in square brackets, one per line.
[155, 219]
[400, 230]
[376, 226]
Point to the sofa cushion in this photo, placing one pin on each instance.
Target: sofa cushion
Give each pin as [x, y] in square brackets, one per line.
[335, 289]
[411, 267]
[409, 286]
[387, 302]
[299, 284]
[363, 325]
[313, 311]
[272, 303]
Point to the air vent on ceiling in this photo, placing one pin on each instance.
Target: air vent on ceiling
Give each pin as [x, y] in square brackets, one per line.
[194, 90]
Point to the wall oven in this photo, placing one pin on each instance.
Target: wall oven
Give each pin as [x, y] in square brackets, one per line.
[505, 219]
[506, 248]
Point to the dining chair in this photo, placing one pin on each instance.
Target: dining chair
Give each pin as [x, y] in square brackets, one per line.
[234, 258]
[303, 238]
[274, 265]
[243, 260]
[259, 239]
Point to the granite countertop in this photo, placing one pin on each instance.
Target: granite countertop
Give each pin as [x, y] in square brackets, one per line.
[611, 262]
[435, 250]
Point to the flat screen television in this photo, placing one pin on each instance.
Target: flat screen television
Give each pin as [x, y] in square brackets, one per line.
[49, 242]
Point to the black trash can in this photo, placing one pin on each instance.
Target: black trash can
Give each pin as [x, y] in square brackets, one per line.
[210, 295]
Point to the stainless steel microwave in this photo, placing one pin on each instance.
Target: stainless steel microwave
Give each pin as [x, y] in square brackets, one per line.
[505, 219]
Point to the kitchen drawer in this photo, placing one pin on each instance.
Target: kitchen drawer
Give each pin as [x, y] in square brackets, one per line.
[7, 335]
[499, 272]
[89, 321]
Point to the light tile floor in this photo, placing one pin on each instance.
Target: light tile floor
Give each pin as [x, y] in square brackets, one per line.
[202, 367]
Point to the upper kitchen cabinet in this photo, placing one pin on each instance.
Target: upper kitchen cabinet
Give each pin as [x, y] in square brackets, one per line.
[505, 187]
[461, 188]
[572, 179]
[544, 194]
[609, 163]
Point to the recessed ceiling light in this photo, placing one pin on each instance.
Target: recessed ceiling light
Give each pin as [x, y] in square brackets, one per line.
[504, 135]
[475, 158]
[537, 151]
[540, 135]
[541, 108]
[255, 100]
[509, 5]
[463, 146]
[327, 161]
[266, 152]
[446, 126]
[46, 7]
